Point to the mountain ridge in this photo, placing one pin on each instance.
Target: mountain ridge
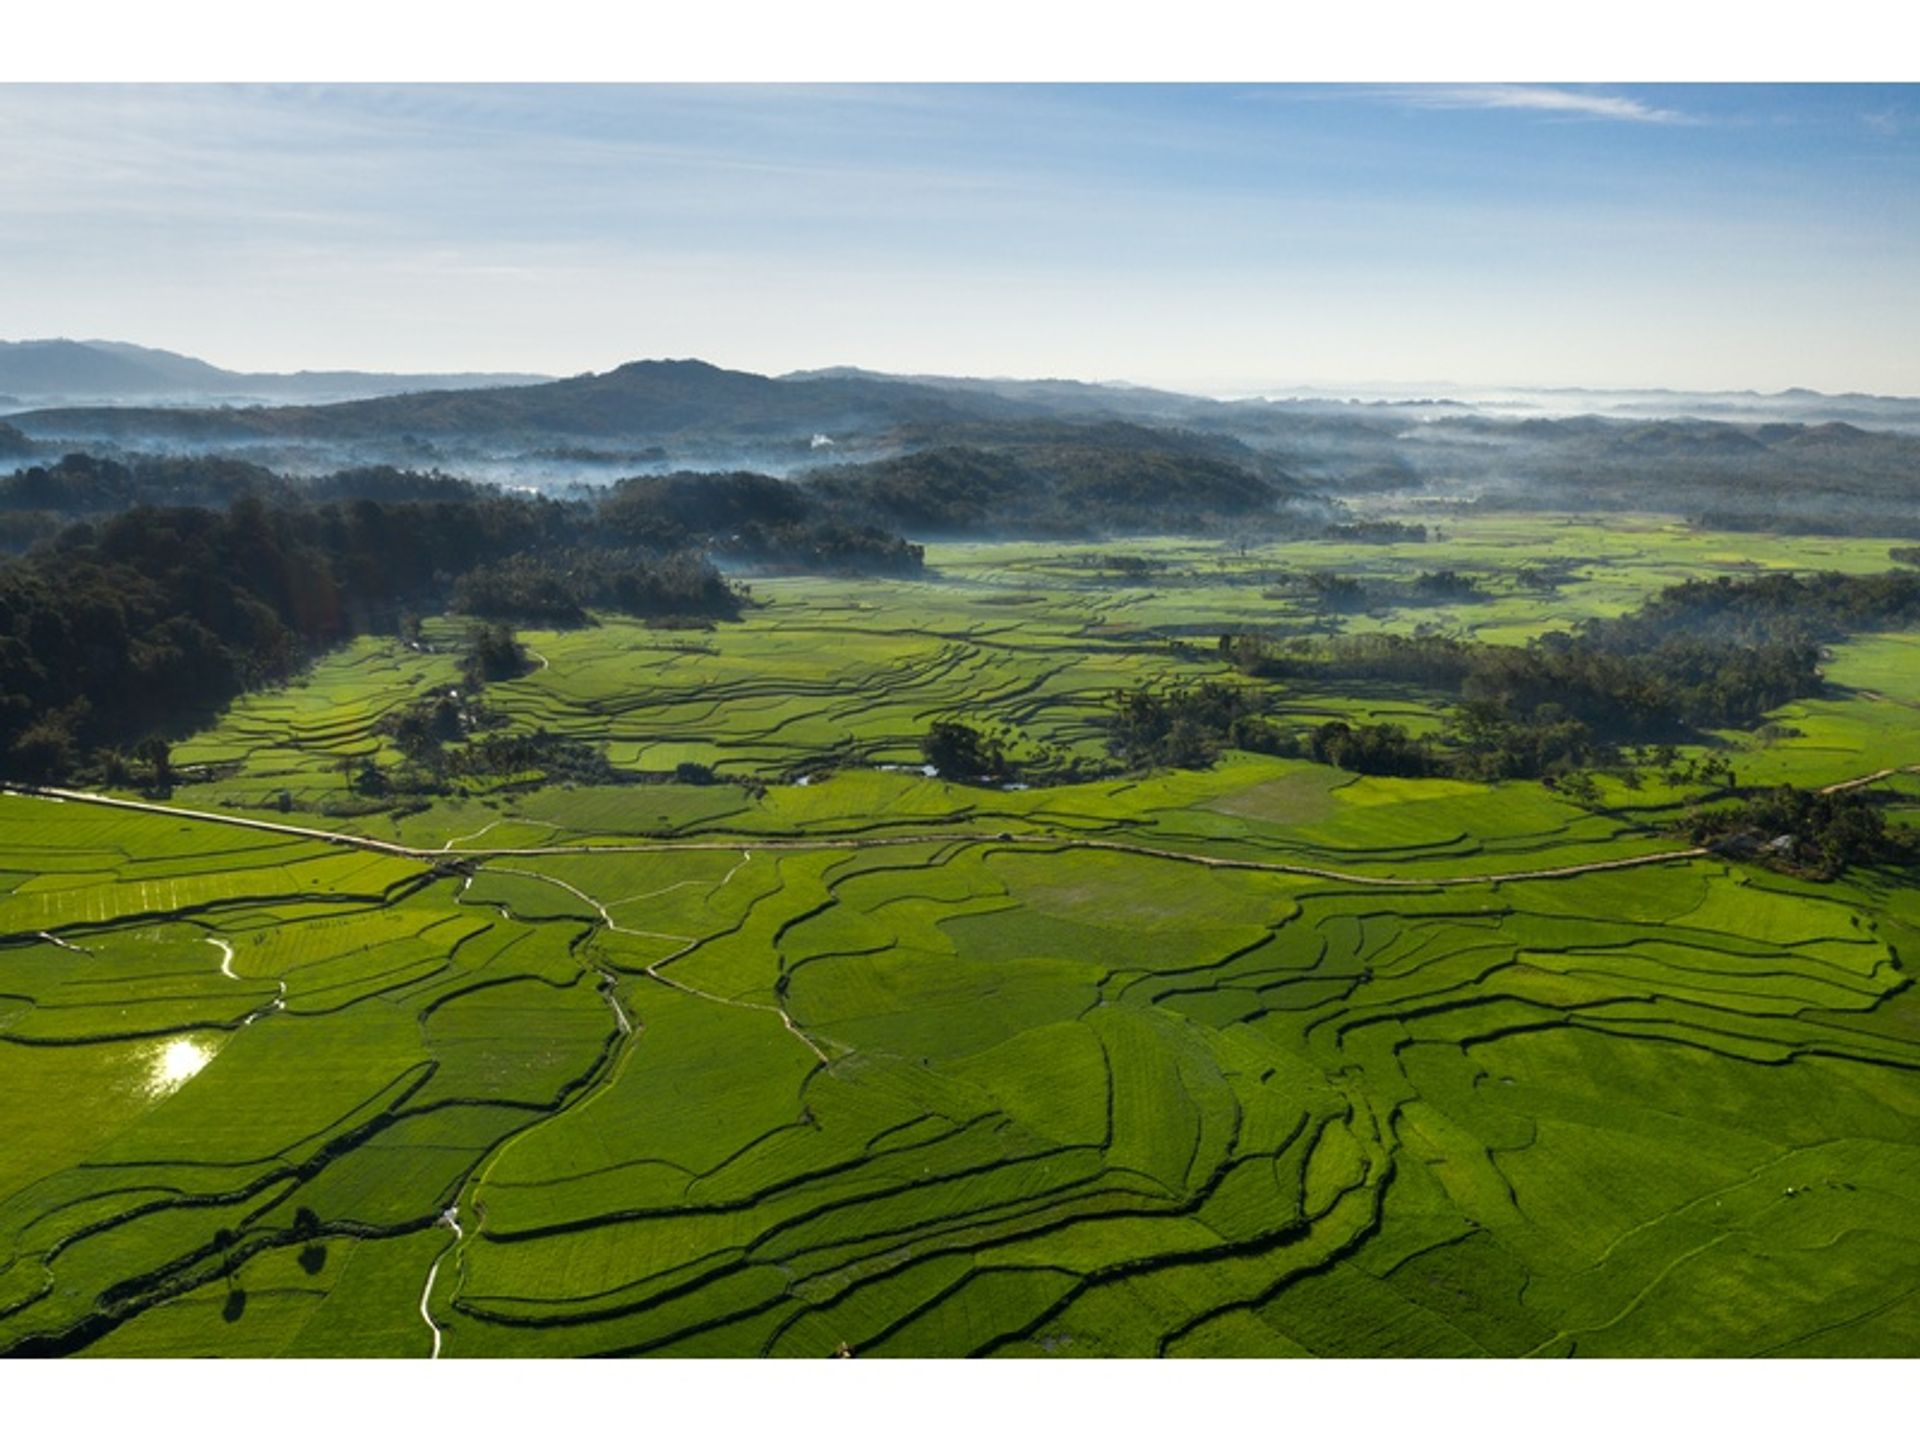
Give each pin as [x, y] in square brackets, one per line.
[120, 371]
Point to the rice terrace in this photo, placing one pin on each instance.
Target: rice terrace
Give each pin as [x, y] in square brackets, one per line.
[1228, 721]
[794, 1049]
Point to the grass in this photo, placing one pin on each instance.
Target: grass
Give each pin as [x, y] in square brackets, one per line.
[981, 1088]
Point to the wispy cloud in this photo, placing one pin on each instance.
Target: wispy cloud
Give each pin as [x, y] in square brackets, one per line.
[1890, 121]
[1584, 104]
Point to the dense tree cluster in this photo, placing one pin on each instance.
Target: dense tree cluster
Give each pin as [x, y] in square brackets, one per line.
[1328, 590]
[1823, 832]
[1065, 489]
[754, 518]
[1445, 585]
[1383, 749]
[522, 587]
[81, 485]
[419, 730]
[961, 752]
[76, 485]
[558, 588]
[493, 652]
[1187, 725]
[667, 512]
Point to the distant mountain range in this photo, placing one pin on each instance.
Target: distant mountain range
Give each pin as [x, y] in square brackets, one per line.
[40, 372]
[1798, 457]
[644, 403]
[691, 406]
[655, 399]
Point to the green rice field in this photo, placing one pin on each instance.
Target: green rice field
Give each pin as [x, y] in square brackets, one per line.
[835, 1056]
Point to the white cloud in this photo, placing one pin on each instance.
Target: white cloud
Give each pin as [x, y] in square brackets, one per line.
[1890, 121]
[1545, 98]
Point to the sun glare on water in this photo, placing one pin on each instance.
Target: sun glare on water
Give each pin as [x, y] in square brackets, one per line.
[177, 1062]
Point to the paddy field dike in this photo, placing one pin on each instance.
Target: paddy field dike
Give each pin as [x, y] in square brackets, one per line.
[809, 1052]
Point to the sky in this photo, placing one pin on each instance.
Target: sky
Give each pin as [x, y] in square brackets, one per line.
[1221, 238]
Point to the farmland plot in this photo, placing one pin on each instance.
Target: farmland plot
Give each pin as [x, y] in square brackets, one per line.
[1263, 1058]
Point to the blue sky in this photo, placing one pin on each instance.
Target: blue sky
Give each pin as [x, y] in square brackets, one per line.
[1227, 238]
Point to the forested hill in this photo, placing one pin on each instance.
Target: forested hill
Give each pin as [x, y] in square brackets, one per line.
[649, 400]
[1826, 478]
[1065, 488]
[1794, 477]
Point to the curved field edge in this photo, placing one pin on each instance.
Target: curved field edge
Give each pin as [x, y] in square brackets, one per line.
[954, 1095]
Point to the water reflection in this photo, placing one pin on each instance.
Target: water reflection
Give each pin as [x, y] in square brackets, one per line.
[177, 1062]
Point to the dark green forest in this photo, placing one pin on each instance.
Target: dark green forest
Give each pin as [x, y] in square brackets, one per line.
[1061, 488]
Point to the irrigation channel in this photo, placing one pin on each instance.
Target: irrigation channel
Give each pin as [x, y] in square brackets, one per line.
[450, 1217]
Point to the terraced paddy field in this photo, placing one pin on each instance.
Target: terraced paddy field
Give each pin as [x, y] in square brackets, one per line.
[1262, 1059]
[1030, 638]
